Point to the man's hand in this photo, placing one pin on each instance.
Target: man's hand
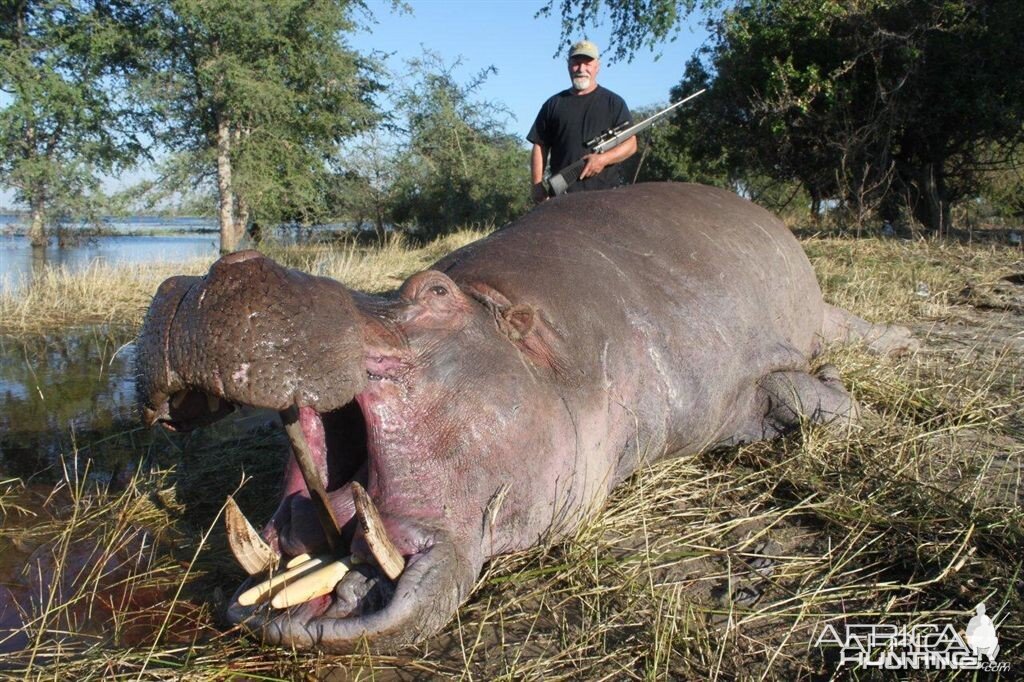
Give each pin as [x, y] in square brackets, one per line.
[598, 162]
[595, 164]
[538, 194]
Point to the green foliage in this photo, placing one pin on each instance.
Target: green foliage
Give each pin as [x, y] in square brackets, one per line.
[258, 95]
[635, 24]
[457, 167]
[365, 188]
[1001, 186]
[64, 66]
[881, 105]
[661, 155]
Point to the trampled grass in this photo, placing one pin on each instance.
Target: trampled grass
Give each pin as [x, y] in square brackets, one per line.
[913, 517]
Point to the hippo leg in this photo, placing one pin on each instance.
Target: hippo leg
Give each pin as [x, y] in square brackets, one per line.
[884, 339]
[791, 397]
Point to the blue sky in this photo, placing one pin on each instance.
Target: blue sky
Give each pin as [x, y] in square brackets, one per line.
[505, 34]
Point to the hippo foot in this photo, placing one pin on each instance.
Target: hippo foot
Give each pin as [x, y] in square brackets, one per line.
[791, 398]
[882, 339]
[893, 339]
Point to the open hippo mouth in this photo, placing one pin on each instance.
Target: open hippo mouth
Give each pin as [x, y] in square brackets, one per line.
[329, 570]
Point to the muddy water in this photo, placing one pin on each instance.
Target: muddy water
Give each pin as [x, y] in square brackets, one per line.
[65, 401]
[60, 394]
[68, 421]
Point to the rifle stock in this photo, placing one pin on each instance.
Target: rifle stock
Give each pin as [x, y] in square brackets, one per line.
[559, 183]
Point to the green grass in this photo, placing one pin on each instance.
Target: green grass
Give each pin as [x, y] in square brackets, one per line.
[914, 517]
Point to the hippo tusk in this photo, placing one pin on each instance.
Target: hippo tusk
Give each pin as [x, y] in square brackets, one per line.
[252, 553]
[384, 551]
[317, 493]
[316, 583]
[297, 559]
[258, 592]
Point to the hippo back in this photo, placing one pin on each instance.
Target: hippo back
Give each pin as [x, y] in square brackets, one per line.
[684, 288]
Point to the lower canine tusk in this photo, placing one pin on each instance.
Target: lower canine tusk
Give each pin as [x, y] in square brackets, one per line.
[314, 584]
[252, 553]
[296, 560]
[384, 551]
[258, 592]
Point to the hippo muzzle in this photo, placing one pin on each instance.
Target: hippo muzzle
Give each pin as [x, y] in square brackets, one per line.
[327, 571]
[203, 335]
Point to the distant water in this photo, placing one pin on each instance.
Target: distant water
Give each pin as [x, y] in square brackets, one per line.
[131, 240]
[180, 239]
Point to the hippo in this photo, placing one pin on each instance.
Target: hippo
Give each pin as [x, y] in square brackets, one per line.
[494, 400]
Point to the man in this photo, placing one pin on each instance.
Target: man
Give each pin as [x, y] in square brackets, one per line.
[572, 117]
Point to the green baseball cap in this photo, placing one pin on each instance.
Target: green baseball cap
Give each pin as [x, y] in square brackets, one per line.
[585, 48]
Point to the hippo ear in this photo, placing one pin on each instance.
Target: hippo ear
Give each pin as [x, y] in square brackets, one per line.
[519, 321]
[525, 327]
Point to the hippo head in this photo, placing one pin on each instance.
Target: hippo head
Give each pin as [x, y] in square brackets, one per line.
[404, 417]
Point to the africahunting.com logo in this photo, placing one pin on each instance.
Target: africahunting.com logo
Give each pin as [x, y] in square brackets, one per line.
[924, 646]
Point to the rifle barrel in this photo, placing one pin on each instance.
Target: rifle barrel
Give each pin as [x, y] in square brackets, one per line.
[647, 122]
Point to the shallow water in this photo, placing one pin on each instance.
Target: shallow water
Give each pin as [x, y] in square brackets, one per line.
[69, 422]
[61, 393]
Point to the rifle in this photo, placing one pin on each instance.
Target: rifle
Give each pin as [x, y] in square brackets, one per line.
[558, 183]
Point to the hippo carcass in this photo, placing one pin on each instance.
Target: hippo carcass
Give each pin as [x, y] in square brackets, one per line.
[493, 400]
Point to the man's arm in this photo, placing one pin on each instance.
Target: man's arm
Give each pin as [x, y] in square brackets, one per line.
[537, 162]
[598, 162]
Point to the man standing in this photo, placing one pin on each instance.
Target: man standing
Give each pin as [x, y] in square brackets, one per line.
[572, 117]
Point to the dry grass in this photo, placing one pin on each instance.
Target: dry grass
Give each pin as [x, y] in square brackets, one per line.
[913, 518]
[101, 293]
[58, 298]
[373, 270]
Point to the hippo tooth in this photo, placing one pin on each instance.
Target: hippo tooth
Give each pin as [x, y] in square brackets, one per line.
[384, 551]
[307, 467]
[297, 559]
[314, 584]
[252, 553]
[258, 592]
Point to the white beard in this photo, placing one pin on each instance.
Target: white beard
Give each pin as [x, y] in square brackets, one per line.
[580, 82]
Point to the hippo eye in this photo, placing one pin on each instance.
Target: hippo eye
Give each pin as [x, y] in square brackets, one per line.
[438, 290]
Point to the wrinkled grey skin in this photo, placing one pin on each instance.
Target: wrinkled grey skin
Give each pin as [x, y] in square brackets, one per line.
[498, 397]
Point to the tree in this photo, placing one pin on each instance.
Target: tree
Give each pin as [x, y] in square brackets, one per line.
[886, 104]
[257, 96]
[65, 65]
[457, 167]
[365, 189]
[635, 23]
[1002, 186]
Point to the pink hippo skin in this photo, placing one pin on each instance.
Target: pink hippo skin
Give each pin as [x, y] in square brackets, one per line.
[496, 398]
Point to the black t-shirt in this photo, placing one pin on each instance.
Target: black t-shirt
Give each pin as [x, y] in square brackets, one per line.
[567, 121]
